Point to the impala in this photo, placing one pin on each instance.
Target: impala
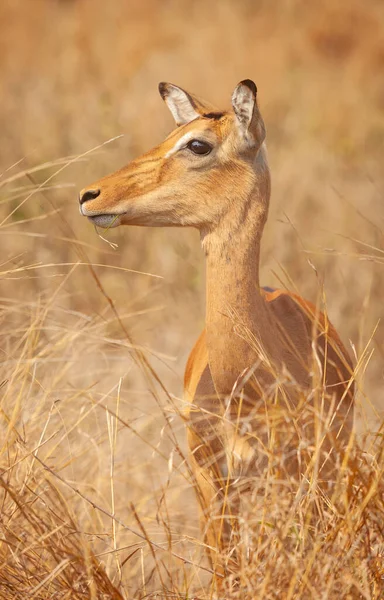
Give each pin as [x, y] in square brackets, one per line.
[265, 356]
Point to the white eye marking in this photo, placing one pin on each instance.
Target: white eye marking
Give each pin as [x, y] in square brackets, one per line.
[183, 141]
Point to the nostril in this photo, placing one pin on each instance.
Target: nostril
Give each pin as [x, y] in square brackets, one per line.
[88, 195]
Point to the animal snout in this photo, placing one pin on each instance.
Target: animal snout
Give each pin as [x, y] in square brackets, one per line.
[88, 195]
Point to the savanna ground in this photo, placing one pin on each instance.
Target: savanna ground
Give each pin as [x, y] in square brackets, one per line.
[97, 500]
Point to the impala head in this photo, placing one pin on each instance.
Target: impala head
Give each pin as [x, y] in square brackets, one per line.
[212, 166]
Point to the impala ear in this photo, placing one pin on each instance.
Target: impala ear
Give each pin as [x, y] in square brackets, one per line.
[179, 102]
[249, 119]
[184, 106]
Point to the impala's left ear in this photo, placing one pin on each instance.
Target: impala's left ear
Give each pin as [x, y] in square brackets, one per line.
[185, 107]
[244, 103]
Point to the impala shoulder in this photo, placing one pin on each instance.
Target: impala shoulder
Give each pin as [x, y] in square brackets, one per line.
[313, 317]
[284, 305]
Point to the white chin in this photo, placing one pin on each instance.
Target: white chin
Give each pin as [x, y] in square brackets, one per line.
[105, 221]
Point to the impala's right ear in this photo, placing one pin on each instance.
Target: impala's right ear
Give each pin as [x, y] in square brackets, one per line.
[180, 103]
[249, 119]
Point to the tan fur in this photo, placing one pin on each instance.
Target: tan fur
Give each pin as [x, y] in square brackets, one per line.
[261, 353]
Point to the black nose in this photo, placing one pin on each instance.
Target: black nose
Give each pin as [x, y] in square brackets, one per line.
[88, 195]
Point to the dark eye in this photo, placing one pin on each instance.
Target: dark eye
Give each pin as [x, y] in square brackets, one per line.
[199, 147]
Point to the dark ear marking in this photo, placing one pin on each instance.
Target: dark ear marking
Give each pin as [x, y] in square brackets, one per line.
[214, 115]
[163, 89]
[251, 85]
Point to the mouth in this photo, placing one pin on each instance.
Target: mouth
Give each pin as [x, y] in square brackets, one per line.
[105, 221]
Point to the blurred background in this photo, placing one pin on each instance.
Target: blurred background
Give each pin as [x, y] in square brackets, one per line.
[77, 73]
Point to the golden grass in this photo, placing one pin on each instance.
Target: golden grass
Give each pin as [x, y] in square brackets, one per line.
[96, 495]
[298, 542]
[79, 519]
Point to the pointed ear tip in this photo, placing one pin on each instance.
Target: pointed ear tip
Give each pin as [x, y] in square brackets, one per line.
[163, 88]
[249, 84]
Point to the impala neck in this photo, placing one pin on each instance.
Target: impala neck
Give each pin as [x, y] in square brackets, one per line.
[234, 306]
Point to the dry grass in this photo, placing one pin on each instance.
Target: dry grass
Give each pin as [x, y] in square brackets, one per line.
[97, 498]
[297, 542]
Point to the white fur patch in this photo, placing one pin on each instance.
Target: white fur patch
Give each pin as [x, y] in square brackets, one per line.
[183, 141]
